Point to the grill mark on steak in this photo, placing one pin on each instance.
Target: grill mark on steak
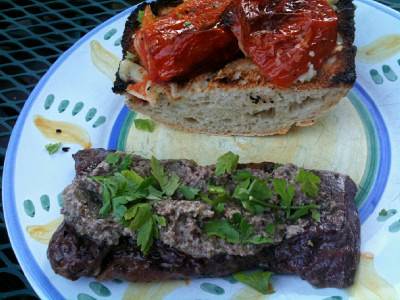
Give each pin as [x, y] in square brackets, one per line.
[326, 253]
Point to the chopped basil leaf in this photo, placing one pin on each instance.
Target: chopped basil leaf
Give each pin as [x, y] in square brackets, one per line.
[188, 192]
[187, 24]
[53, 148]
[140, 16]
[309, 183]
[145, 125]
[226, 163]
[258, 280]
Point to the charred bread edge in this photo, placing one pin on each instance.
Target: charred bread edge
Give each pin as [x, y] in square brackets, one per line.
[131, 23]
[345, 10]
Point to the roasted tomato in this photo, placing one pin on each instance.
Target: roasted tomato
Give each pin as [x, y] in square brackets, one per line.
[185, 40]
[285, 38]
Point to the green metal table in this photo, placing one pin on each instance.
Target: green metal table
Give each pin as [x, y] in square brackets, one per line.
[32, 35]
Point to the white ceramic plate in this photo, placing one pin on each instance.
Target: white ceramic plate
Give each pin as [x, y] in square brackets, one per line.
[360, 137]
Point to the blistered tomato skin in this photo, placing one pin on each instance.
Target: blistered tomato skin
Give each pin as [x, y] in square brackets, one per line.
[285, 37]
[185, 40]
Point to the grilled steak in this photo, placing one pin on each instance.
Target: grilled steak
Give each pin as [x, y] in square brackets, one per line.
[324, 252]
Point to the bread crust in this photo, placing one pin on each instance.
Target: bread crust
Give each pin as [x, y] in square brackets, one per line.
[242, 77]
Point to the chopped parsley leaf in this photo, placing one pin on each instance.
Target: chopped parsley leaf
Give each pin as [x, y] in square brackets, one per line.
[236, 230]
[187, 24]
[119, 161]
[309, 183]
[140, 16]
[286, 193]
[53, 148]
[168, 184]
[270, 229]
[253, 194]
[258, 280]
[188, 192]
[222, 229]
[383, 213]
[112, 158]
[226, 163]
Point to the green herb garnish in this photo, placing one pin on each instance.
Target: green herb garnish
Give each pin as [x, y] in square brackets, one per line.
[253, 194]
[187, 24]
[270, 229]
[309, 183]
[226, 163]
[188, 192]
[53, 148]
[258, 280]
[235, 231]
[128, 197]
[112, 158]
[140, 16]
[145, 125]
[222, 229]
[168, 184]
[286, 193]
[383, 213]
[118, 161]
[216, 197]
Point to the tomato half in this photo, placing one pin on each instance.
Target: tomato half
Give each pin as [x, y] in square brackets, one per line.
[185, 40]
[283, 37]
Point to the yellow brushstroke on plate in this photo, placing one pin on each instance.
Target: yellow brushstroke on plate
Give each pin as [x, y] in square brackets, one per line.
[43, 233]
[105, 61]
[330, 144]
[380, 49]
[368, 284]
[153, 291]
[247, 293]
[70, 133]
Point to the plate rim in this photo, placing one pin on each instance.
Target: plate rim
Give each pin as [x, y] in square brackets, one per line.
[33, 272]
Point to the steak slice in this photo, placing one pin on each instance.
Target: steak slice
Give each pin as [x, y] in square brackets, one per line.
[325, 253]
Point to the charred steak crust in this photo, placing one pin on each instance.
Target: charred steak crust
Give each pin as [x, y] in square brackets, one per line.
[325, 253]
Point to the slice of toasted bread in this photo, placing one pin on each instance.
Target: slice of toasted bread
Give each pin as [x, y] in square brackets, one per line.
[238, 99]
